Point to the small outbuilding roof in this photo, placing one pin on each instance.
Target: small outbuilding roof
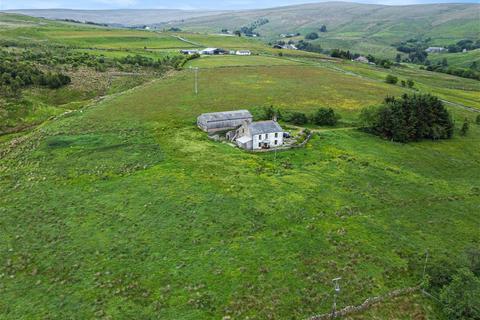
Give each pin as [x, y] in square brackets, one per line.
[244, 139]
[226, 115]
[260, 127]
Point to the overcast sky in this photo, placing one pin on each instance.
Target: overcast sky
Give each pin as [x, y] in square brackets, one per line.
[179, 4]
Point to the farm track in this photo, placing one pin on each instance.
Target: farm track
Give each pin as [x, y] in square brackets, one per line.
[188, 41]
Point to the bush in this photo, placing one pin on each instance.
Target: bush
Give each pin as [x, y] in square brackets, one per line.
[297, 118]
[477, 120]
[311, 36]
[325, 116]
[410, 83]
[410, 118]
[465, 127]
[460, 298]
[307, 46]
[391, 79]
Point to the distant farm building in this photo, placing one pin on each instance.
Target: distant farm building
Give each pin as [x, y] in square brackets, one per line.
[361, 59]
[189, 52]
[435, 49]
[243, 53]
[223, 121]
[214, 51]
[286, 46]
[259, 135]
[289, 35]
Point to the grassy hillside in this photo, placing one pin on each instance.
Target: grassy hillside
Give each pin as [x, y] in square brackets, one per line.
[459, 59]
[123, 17]
[362, 28]
[125, 209]
[131, 206]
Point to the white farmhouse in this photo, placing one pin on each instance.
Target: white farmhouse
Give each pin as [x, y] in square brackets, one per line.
[435, 49]
[243, 53]
[259, 135]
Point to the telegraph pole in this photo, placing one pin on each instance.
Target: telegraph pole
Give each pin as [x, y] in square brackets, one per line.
[196, 80]
[336, 285]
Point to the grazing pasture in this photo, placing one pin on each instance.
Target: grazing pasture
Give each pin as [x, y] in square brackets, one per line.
[133, 211]
[124, 209]
[239, 61]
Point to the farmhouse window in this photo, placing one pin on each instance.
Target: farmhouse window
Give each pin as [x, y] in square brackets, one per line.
[259, 144]
[275, 142]
[276, 135]
[266, 136]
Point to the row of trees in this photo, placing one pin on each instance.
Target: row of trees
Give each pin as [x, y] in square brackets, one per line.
[466, 44]
[17, 74]
[442, 66]
[322, 116]
[27, 67]
[409, 118]
[250, 29]
[54, 57]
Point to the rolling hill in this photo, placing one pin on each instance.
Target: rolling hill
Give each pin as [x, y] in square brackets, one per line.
[122, 17]
[363, 28]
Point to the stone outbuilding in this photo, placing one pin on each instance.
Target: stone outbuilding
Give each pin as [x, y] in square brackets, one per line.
[223, 121]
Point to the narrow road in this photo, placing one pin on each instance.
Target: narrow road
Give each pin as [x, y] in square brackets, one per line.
[187, 41]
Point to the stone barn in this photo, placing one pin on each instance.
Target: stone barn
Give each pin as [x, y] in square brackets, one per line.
[223, 121]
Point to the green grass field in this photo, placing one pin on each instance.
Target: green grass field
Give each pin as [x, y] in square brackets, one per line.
[125, 209]
[459, 59]
[239, 61]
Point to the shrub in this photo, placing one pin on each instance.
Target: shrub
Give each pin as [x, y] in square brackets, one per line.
[391, 79]
[297, 118]
[311, 36]
[368, 117]
[325, 116]
[460, 298]
[410, 83]
[465, 127]
[477, 120]
[410, 118]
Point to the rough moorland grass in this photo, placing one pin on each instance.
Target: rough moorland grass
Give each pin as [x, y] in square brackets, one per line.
[451, 88]
[289, 87]
[229, 61]
[126, 210]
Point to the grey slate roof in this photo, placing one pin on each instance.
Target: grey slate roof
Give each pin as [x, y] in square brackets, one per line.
[226, 115]
[261, 127]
